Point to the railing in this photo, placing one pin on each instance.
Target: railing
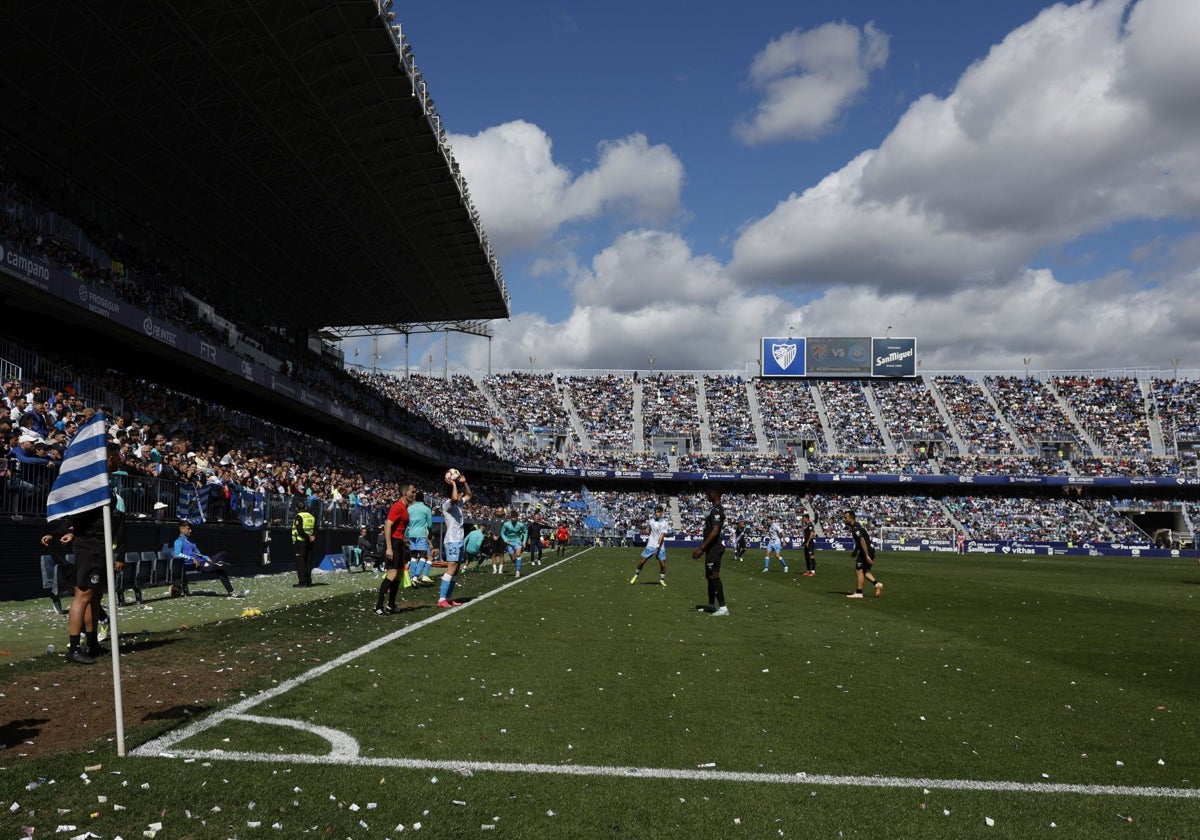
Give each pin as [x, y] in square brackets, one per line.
[23, 490]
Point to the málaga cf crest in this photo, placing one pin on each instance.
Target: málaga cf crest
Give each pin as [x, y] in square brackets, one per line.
[784, 355]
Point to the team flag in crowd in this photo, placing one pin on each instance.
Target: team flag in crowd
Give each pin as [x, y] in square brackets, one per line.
[82, 482]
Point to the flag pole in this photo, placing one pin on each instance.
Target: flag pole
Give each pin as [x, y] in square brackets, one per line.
[118, 706]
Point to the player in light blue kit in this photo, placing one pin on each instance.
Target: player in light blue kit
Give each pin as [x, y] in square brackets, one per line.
[514, 534]
[774, 545]
[452, 513]
[658, 528]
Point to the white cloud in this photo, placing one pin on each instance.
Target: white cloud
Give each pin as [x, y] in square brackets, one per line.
[1110, 322]
[1083, 118]
[524, 196]
[643, 268]
[645, 295]
[1051, 136]
[808, 79]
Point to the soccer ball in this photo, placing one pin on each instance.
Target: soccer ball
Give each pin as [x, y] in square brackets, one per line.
[453, 475]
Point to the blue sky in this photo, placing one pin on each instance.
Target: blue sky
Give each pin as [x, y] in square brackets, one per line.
[677, 179]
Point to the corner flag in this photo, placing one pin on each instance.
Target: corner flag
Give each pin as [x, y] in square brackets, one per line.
[82, 482]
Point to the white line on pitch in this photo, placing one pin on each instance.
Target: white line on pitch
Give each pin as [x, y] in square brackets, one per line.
[469, 768]
[169, 739]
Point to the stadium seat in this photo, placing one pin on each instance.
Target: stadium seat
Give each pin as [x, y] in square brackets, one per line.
[129, 573]
[56, 579]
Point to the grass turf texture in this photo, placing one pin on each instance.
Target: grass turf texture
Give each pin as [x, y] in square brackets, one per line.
[1037, 670]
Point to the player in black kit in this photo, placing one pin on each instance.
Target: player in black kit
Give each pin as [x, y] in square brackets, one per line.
[535, 525]
[711, 550]
[864, 555]
[809, 541]
[741, 539]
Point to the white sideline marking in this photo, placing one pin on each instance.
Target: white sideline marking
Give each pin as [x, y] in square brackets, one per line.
[469, 768]
[169, 739]
[345, 748]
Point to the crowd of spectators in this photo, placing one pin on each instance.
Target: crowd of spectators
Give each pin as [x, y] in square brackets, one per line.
[170, 440]
[876, 512]
[1031, 409]
[789, 412]
[669, 407]
[529, 401]
[614, 460]
[1177, 405]
[1026, 520]
[975, 418]
[850, 415]
[605, 407]
[910, 414]
[1127, 466]
[745, 462]
[1110, 409]
[1003, 465]
[731, 424]
[876, 465]
[455, 404]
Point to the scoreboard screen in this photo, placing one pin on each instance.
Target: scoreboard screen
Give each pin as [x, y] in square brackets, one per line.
[838, 356]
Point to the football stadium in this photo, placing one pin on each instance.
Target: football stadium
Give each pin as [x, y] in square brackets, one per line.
[204, 202]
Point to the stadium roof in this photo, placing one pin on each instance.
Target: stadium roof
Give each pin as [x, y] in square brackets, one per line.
[290, 145]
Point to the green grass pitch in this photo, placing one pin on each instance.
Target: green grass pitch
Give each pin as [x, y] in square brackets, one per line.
[1047, 696]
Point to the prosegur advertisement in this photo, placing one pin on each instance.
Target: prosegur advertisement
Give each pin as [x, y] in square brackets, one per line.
[838, 356]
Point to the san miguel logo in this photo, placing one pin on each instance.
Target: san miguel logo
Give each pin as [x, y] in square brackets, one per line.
[783, 354]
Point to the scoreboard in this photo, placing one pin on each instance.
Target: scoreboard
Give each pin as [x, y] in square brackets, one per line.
[838, 356]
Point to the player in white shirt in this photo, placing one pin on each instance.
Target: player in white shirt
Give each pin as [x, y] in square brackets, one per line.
[774, 545]
[657, 529]
[452, 511]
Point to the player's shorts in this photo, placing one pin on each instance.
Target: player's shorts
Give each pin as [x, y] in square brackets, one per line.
[650, 551]
[418, 544]
[515, 548]
[452, 552]
[863, 564]
[563, 543]
[740, 547]
[89, 571]
[712, 559]
[775, 545]
[399, 555]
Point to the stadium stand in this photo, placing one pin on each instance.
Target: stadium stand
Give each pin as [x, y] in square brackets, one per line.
[730, 422]
[605, 405]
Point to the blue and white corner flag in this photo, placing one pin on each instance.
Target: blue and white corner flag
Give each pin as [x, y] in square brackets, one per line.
[82, 482]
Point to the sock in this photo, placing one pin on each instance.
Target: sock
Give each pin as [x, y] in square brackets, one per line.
[444, 589]
[712, 592]
[859, 591]
[450, 588]
[92, 640]
[783, 562]
[393, 590]
[719, 590]
[384, 587]
[75, 642]
[518, 562]
[662, 575]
